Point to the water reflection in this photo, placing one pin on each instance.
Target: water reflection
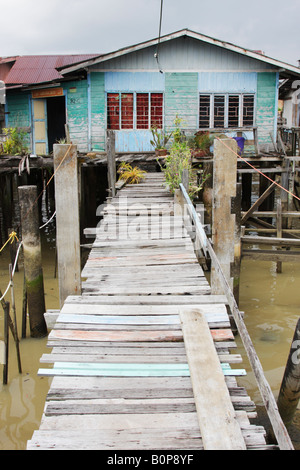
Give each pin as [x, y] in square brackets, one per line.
[271, 302]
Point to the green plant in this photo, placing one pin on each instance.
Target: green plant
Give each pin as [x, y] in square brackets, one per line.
[179, 159]
[159, 138]
[14, 143]
[131, 175]
[203, 140]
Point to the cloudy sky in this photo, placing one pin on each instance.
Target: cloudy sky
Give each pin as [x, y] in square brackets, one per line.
[98, 26]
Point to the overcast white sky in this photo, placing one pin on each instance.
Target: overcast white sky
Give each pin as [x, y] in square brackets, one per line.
[97, 26]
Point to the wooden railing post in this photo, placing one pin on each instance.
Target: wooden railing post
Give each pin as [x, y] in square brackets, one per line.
[67, 220]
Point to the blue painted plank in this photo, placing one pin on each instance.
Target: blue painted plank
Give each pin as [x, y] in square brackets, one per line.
[128, 370]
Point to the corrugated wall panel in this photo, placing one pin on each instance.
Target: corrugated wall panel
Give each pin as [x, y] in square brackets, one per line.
[184, 54]
[134, 81]
[227, 82]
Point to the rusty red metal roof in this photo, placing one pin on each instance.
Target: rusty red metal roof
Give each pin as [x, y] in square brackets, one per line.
[40, 68]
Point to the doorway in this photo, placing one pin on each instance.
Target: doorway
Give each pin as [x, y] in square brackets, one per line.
[56, 120]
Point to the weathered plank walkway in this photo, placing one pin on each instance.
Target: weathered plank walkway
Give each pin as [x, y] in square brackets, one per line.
[144, 358]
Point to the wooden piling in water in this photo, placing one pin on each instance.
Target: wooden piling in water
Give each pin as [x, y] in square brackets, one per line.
[32, 260]
[289, 393]
[67, 220]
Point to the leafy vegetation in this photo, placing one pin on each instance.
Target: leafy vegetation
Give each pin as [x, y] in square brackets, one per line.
[132, 175]
[179, 159]
[14, 142]
[159, 138]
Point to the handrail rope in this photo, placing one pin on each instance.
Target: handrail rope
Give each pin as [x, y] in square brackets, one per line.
[13, 271]
[48, 222]
[258, 171]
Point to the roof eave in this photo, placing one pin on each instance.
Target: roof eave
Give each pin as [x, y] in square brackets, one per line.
[284, 67]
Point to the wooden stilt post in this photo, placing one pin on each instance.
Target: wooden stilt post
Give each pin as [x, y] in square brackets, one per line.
[279, 231]
[289, 394]
[32, 260]
[67, 220]
[111, 162]
[223, 220]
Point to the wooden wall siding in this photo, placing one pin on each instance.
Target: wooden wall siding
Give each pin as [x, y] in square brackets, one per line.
[98, 111]
[182, 99]
[184, 54]
[77, 113]
[266, 106]
[227, 82]
[19, 112]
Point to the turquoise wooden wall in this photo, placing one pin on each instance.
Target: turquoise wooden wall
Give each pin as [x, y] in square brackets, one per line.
[266, 106]
[78, 113]
[97, 117]
[18, 111]
[181, 99]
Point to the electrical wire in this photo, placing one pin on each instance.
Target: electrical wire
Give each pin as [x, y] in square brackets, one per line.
[156, 55]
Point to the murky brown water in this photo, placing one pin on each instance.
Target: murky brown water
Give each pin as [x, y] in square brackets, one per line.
[22, 400]
[271, 303]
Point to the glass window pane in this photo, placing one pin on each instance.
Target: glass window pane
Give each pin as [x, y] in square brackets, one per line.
[127, 111]
[204, 111]
[113, 111]
[219, 111]
[157, 110]
[248, 110]
[233, 110]
[142, 111]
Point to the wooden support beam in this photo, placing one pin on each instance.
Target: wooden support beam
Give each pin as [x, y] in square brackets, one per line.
[259, 201]
[67, 220]
[223, 220]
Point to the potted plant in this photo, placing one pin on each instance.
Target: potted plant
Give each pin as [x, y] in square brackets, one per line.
[201, 144]
[159, 141]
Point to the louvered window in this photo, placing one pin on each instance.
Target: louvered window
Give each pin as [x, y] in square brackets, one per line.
[226, 110]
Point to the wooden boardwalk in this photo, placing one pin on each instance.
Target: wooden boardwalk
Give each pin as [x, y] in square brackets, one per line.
[145, 357]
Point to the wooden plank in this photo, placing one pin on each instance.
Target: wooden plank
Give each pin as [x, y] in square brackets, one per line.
[147, 299]
[125, 369]
[220, 429]
[80, 335]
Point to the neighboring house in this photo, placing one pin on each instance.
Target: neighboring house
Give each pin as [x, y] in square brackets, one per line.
[210, 84]
[35, 99]
[289, 96]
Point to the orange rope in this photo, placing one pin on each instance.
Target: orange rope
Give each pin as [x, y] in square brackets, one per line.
[258, 171]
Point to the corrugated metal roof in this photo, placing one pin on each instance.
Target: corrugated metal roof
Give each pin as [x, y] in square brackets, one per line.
[41, 68]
